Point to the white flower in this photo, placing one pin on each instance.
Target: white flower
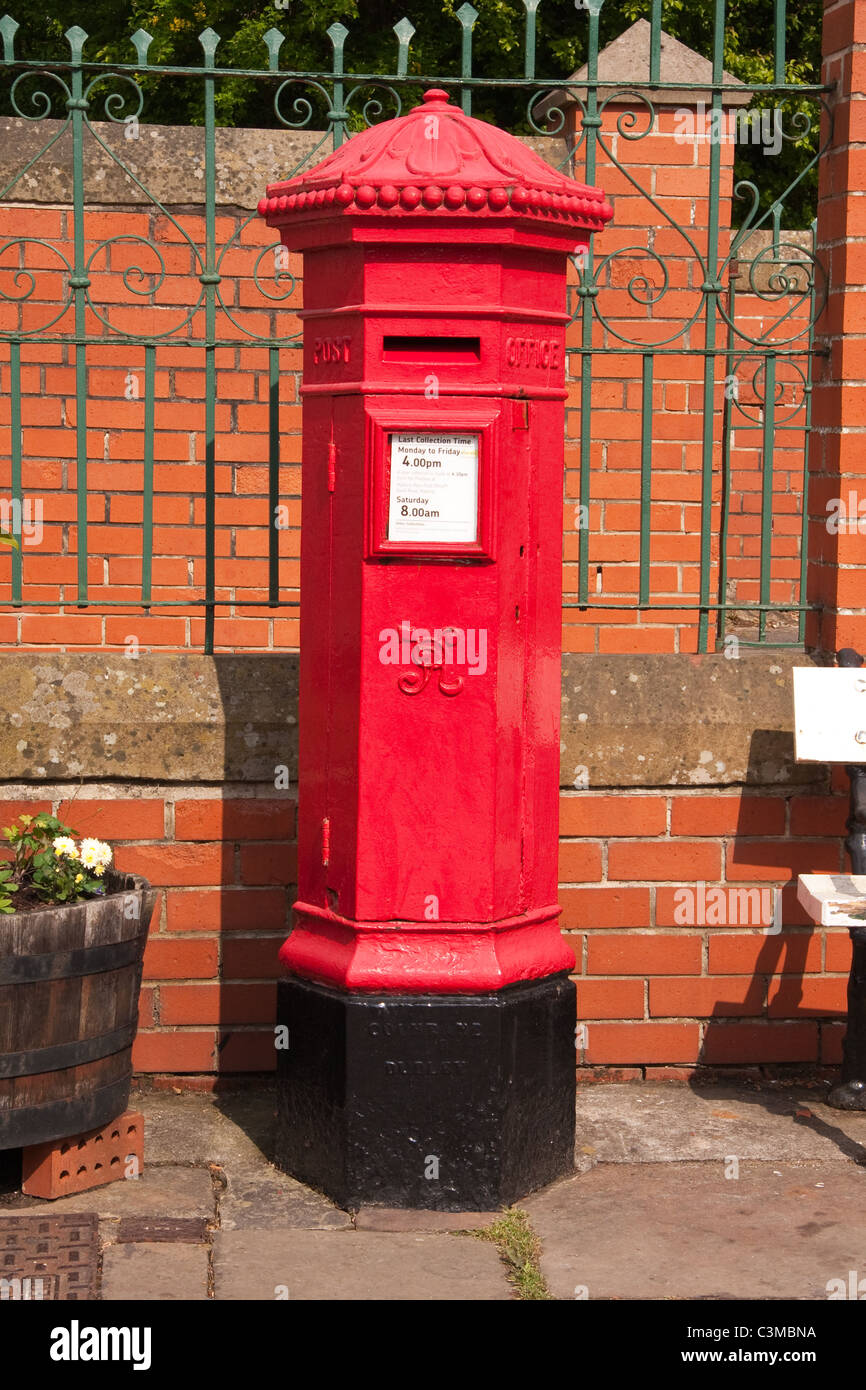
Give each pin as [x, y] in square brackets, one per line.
[66, 846]
[95, 854]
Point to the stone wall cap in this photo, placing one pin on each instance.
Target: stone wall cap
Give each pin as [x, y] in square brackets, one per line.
[626, 61]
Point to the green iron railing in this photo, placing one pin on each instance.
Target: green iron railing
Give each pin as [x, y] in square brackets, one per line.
[338, 100]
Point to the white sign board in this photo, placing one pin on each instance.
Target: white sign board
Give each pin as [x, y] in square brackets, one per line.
[830, 714]
[834, 900]
[433, 494]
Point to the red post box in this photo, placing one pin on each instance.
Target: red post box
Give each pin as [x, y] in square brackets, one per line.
[430, 1057]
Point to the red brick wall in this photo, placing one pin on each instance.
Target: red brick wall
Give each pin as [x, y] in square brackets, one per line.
[653, 993]
[645, 242]
[675, 173]
[656, 992]
[115, 440]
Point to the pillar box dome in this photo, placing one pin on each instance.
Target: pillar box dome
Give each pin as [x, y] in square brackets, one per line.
[435, 165]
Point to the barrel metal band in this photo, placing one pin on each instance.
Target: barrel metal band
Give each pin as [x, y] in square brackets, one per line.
[49, 1120]
[84, 960]
[68, 1054]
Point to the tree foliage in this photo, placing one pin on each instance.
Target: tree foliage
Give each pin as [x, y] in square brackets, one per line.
[498, 52]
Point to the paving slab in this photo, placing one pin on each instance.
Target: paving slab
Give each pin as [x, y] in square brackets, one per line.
[145, 1273]
[260, 1197]
[409, 1219]
[166, 1191]
[672, 1123]
[778, 1230]
[351, 1265]
[192, 1128]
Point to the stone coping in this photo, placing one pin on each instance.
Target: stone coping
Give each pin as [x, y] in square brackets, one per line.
[627, 721]
[169, 161]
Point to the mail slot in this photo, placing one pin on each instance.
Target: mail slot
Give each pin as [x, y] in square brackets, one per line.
[430, 349]
[436, 251]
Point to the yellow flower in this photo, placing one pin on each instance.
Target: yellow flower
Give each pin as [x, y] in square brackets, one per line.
[79, 877]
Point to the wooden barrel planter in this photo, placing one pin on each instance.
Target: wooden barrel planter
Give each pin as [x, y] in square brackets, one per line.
[69, 984]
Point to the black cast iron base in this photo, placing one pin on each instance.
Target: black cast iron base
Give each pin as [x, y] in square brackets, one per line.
[461, 1102]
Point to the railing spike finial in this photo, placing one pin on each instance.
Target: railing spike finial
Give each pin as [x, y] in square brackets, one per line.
[76, 37]
[273, 41]
[404, 29]
[141, 41]
[209, 39]
[467, 15]
[8, 29]
[530, 7]
[338, 115]
[338, 33]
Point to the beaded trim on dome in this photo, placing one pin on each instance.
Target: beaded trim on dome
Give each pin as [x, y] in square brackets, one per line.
[432, 197]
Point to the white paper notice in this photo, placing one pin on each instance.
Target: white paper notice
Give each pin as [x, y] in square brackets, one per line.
[434, 488]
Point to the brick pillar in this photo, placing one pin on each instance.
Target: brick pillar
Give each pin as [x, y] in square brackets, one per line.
[837, 559]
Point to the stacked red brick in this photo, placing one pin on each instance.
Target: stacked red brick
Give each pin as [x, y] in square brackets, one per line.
[115, 440]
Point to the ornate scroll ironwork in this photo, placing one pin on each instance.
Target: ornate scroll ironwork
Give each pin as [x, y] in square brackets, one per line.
[602, 123]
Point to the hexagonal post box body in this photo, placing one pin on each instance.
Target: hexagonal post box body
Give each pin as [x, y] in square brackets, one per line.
[435, 257]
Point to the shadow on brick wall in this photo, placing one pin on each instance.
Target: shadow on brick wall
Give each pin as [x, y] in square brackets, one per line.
[784, 1019]
[259, 825]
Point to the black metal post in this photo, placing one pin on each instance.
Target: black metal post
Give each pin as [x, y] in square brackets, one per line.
[850, 1093]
